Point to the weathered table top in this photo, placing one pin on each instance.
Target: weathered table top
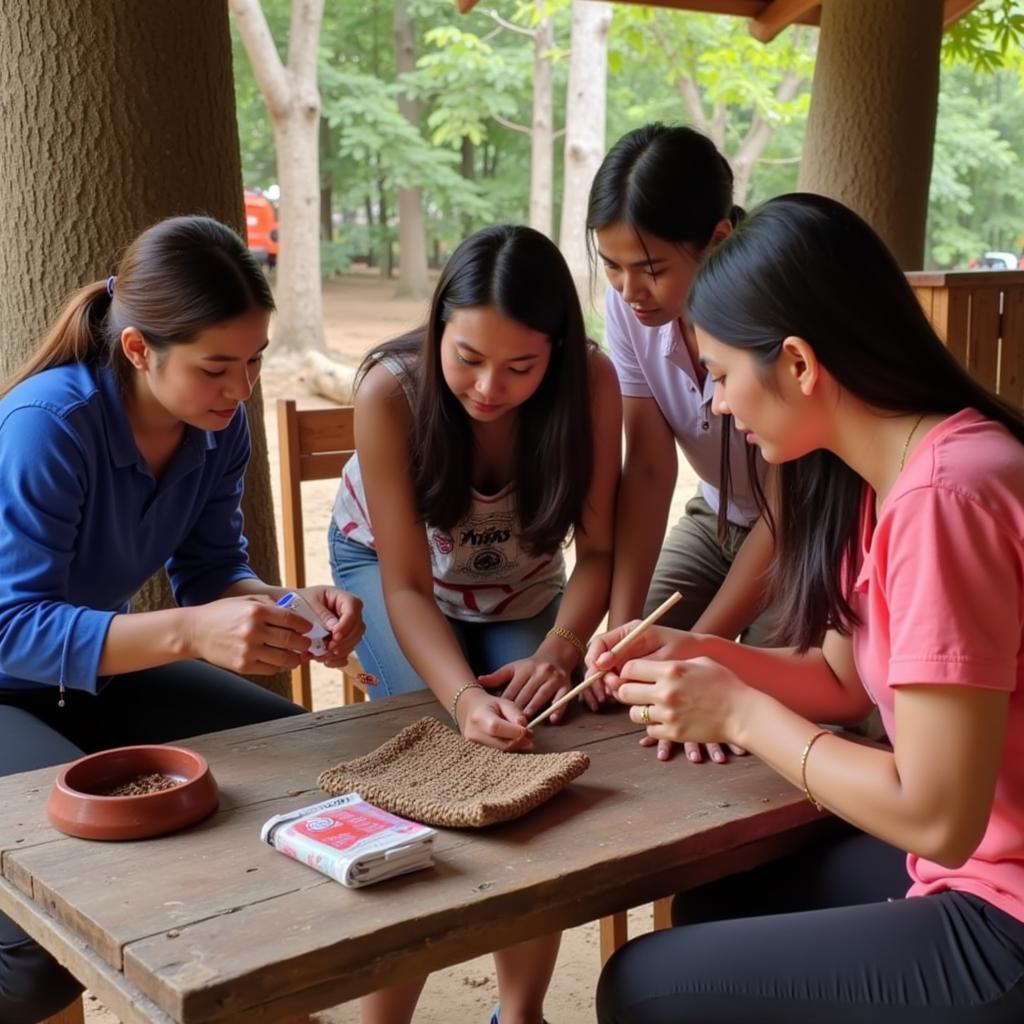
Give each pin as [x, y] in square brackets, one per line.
[213, 925]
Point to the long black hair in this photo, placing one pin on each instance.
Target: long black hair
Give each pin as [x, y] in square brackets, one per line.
[521, 274]
[807, 266]
[177, 278]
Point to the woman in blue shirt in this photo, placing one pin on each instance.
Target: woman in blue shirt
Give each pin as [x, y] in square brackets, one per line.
[123, 447]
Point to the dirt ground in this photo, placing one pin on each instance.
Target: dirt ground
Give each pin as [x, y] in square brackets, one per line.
[360, 310]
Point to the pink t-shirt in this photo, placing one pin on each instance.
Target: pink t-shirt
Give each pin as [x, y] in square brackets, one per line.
[940, 593]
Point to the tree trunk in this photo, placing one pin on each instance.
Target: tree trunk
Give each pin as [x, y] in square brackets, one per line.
[870, 136]
[585, 127]
[293, 103]
[88, 169]
[412, 231]
[326, 189]
[542, 133]
[371, 248]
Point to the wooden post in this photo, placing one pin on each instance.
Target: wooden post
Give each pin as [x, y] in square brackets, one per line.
[871, 127]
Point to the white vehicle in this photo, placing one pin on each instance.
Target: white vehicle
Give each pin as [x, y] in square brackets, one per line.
[999, 261]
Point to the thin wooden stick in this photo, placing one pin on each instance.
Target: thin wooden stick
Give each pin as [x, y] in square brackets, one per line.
[617, 649]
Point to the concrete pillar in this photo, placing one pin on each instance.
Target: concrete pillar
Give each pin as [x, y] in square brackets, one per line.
[871, 128]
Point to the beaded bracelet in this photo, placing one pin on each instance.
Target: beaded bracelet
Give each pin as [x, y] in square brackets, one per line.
[458, 693]
[803, 765]
[567, 634]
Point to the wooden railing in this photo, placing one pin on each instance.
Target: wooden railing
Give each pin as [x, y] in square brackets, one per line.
[979, 314]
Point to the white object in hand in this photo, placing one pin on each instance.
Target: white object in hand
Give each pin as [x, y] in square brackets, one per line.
[316, 633]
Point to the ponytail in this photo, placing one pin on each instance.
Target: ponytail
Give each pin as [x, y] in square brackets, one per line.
[75, 337]
[177, 278]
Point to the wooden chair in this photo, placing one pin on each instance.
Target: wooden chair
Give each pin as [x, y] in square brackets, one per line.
[314, 445]
[74, 1013]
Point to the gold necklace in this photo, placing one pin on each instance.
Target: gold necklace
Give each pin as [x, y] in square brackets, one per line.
[906, 444]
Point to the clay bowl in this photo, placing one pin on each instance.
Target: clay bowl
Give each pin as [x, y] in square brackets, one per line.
[78, 806]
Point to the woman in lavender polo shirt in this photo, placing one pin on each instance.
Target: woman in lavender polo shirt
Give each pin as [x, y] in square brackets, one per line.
[661, 197]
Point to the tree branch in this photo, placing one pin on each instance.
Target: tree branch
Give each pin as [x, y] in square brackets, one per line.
[304, 41]
[685, 84]
[511, 25]
[761, 131]
[511, 125]
[690, 96]
[266, 63]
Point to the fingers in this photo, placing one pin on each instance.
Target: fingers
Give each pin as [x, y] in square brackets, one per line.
[557, 715]
[342, 614]
[497, 679]
[502, 724]
[635, 693]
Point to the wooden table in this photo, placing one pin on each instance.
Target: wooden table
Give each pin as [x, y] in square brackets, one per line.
[213, 925]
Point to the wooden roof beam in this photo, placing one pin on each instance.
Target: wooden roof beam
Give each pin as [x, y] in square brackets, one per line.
[956, 9]
[777, 16]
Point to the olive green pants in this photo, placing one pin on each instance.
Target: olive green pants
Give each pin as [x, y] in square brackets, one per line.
[695, 562]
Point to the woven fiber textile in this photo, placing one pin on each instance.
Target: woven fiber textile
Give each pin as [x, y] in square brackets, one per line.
[431, 774]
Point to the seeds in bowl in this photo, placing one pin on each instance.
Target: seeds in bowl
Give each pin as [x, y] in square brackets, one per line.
[142, 785]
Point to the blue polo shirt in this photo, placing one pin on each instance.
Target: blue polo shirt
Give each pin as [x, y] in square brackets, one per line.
[83, 523]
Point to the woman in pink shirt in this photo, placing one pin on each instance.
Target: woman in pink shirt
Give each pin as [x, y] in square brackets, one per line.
[900, 537]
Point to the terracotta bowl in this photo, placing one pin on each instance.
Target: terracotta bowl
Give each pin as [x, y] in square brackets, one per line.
[78, 807]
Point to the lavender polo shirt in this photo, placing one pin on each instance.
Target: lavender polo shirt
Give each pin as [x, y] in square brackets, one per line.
[654, 362]
[83, 523]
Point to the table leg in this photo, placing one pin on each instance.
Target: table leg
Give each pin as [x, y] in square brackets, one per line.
[614, 933]
[662, 913]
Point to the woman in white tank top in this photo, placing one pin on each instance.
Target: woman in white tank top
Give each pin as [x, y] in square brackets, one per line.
[484, 441]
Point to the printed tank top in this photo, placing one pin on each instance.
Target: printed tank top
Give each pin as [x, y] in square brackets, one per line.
[481, 572]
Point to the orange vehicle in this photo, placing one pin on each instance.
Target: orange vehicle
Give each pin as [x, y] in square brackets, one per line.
[260, 226]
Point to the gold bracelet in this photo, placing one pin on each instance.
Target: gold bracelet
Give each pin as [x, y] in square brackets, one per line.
[458, 693]
[567, 634]
[803, 764]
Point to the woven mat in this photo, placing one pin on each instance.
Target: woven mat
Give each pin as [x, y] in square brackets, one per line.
[431, 774]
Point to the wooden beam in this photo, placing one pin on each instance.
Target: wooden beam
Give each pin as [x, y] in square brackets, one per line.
[956, 9]
[778, 16]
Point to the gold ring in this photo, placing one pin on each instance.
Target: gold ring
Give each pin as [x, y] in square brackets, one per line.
[645, 714]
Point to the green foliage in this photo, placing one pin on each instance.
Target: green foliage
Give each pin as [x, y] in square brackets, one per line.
[473, 81]
[708, 71]
[337, 256]
[989, 39]
[978, 174]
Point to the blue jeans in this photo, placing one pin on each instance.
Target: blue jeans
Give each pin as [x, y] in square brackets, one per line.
[486, 645]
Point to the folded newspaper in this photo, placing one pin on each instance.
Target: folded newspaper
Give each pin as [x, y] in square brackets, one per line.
[351, 841]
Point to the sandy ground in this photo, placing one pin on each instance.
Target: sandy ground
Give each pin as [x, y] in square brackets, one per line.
[360, 310]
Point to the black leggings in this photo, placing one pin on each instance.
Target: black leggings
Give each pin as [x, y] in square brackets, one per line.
[822, 938]
[155, 706]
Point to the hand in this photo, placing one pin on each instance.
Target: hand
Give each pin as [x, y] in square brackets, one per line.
[248, 634]
[658, 643]
[493, 721]
[696, 701]
[342, 614]
[532, 684]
